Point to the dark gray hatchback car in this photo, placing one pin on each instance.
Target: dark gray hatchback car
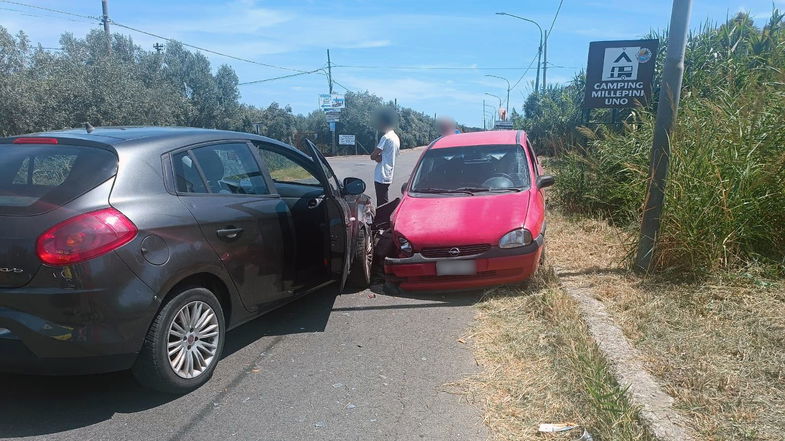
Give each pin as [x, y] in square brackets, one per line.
[139, 247]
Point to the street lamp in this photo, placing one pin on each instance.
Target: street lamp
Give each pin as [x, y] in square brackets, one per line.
[543, 38]
[497, 97]
[508, 87]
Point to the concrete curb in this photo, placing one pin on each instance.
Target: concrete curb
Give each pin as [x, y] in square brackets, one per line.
[644, 391]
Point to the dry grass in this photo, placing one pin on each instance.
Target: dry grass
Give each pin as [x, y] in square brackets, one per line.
[540, 366]
[718, 345]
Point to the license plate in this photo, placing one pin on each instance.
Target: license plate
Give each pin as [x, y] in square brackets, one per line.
[456, 268]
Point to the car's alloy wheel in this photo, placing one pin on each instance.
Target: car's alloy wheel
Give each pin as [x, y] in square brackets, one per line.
[193, 339]
[184, 342]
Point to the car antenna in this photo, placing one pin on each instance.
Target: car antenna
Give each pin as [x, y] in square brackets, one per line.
[88, 127]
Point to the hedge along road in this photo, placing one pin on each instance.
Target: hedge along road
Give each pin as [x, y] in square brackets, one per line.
[326, 367]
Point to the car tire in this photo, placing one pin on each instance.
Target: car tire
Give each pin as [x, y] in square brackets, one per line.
[360, 273]
[199, 350]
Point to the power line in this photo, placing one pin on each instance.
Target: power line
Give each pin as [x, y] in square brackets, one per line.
[427, 67]
[555, 16]
[320, 70]
[344, 87]
[172, 40]
[51, 10]
[524, 73]
[151, 34]
[30, 14]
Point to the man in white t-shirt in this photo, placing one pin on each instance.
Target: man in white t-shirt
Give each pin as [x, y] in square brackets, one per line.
[384, 154]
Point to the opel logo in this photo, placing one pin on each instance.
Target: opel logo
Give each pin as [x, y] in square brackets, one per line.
[455, 251]
[11, 270]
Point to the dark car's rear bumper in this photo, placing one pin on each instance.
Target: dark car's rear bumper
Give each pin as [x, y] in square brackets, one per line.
[18, 359]
[64, 324]
[496, 266]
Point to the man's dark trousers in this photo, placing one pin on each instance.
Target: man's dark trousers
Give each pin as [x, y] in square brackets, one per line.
[382, 193]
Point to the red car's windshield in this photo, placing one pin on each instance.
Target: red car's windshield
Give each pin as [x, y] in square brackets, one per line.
[472, 169]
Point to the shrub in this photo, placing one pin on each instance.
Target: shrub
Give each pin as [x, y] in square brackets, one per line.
[725, 196]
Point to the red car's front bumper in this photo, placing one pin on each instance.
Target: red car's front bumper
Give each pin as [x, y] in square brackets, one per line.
[496, 266]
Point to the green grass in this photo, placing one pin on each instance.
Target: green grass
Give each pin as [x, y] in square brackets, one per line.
[725, 195]
[541, 366]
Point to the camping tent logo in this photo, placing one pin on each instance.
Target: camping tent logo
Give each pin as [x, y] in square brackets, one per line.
[620, 64]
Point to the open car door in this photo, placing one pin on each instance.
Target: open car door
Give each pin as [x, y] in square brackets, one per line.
[338, 218]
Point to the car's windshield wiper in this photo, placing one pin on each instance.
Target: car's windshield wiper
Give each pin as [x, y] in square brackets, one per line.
[473, 189]
[441, 190]
[500, 189]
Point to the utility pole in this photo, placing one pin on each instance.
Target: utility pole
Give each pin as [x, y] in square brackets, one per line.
[329, 71]
[158, 47]
[484, 126]
[667, 111]
[105, 20]
[545, 60]
[330, 80]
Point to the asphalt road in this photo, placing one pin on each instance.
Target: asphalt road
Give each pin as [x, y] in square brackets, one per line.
[359, 366]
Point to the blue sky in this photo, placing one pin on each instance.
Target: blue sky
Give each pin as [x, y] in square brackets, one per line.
[395, 47]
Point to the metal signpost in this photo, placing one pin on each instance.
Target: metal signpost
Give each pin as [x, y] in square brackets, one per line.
[620, 73]
[331, 104]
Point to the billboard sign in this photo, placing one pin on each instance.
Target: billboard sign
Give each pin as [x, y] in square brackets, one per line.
[620, 73]
[333, 101]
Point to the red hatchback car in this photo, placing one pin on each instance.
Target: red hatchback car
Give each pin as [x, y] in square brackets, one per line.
[472, 215]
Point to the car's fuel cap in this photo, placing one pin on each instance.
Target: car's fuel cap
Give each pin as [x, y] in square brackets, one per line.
[155, 250]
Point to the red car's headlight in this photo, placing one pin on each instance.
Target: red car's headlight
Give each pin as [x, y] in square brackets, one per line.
[405, 247]
[516, 238]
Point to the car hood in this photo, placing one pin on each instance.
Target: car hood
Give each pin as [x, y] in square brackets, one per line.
[460, 220]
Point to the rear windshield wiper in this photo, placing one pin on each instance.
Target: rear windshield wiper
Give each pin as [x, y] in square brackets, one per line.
[441, 190]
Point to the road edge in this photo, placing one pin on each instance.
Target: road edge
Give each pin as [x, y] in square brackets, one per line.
[643, 389]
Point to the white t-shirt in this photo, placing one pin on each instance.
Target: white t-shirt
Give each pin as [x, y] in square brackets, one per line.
[389, 145]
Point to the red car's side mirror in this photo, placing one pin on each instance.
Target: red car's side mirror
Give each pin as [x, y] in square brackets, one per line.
[545, 181]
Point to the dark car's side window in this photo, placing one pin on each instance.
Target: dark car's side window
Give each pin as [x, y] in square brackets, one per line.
[187, 177]
[284, 170]
[220, 169]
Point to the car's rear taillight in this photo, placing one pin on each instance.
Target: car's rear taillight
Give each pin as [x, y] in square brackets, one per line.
[84, 237]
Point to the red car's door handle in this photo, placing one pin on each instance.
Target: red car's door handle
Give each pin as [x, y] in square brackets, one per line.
[229, 232]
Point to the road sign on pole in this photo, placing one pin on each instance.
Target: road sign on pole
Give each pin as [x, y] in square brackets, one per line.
[620, 73]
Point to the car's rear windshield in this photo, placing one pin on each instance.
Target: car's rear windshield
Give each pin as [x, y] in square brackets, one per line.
[37, 178]
[472, 168]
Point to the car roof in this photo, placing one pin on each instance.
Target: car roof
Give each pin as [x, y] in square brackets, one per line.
[495, 137]
[156, 139]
